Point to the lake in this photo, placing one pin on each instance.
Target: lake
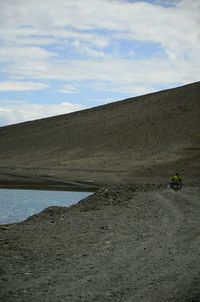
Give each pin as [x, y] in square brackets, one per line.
[17, 205]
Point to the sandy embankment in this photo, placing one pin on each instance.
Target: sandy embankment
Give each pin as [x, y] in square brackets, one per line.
[138, 243]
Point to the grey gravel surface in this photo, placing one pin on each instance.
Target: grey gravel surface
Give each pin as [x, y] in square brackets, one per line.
[124, 243]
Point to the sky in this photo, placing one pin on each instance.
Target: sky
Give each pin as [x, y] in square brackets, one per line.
[59, 56]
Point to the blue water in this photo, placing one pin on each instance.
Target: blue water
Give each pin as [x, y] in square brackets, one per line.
[17, 205]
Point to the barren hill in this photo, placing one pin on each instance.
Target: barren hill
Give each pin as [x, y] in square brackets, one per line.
[150, 136]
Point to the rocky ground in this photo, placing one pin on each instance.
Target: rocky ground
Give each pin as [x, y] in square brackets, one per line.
[123, 243]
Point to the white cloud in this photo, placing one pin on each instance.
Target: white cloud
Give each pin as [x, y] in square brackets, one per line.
[12, 112]
[69, 89]
[20, 54]
[21, 86]
[88, 50]
[174, 27]
[118, 71]
[133, 89]
[89, 28]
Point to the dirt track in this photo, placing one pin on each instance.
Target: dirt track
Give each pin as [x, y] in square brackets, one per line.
[120, 244]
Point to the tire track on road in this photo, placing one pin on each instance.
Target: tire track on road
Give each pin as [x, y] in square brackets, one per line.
[160, 260]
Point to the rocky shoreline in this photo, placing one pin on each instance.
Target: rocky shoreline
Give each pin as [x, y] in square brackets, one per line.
[123, 243]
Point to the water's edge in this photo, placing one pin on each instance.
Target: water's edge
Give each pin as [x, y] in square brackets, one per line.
[19, 204]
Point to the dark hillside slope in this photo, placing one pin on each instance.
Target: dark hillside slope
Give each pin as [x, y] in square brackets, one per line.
[151, 135]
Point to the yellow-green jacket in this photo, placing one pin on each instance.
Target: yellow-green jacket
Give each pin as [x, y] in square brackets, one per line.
[176, 179]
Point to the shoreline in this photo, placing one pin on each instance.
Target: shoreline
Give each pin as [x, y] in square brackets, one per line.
[35, 182]
[7, 225]
[122, 243]
[66, 188]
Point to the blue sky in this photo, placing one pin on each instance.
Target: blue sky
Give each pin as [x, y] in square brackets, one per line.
[60, 56]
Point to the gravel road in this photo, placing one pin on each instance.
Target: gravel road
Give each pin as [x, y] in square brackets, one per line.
[124, 243]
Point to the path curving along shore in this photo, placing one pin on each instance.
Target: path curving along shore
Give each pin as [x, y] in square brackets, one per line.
[123, 243]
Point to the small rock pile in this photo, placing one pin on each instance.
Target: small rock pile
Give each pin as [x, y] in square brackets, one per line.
[117, 195]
